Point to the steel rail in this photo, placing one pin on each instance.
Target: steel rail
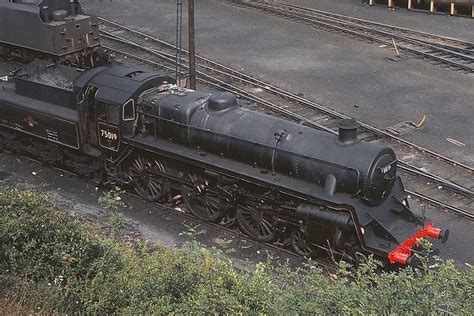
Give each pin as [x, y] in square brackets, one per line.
[438, 203]
[456, 52]
[409, 168]
[226, 86]
[216, 83]
[454, 41]
[298, 99]
[349, 29]
[430, 176]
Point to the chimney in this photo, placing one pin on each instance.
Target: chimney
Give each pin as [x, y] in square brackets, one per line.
[348, 132]
[44, 14]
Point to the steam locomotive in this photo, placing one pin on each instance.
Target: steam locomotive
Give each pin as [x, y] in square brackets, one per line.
[57, 30]
[276, 179]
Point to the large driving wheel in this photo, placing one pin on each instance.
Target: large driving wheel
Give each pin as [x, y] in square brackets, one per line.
[147, 182]
[254, 222]
[202, 201]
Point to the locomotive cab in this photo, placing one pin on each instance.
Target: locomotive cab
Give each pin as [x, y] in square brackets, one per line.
[109, 103]
[104, 120]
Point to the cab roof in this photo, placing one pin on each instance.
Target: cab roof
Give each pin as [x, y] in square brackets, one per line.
[119, 84]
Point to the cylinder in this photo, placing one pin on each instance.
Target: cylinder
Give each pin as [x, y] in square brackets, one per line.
[309, 212]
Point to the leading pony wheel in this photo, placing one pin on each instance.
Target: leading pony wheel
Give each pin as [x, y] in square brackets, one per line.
[300, 245]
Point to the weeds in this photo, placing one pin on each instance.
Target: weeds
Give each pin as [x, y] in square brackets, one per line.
[117, 223]
[112, 199]
[192, 232]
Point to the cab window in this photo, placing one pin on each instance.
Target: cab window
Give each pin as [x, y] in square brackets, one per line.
[101, 110]
[107, 112]
[129, 111]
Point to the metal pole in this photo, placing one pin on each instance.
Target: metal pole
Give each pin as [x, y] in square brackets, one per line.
[179, 24]
[192, 46]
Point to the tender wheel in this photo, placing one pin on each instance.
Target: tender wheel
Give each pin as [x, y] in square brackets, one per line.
[300, 245]
[147, 183]
[255, 223]
[202, 201]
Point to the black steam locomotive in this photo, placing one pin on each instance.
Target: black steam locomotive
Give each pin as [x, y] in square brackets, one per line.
[48, 29]
[274, 178]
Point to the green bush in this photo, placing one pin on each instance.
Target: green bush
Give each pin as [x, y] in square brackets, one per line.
[60, 264]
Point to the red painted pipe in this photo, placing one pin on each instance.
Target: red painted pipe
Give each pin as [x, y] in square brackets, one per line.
[399, 257]
[403, 254]
[433, 232]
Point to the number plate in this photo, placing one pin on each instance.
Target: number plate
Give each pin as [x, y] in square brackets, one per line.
[109, 136]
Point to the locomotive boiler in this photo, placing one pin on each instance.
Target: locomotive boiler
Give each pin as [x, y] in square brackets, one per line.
[278, 145]
[275, 179]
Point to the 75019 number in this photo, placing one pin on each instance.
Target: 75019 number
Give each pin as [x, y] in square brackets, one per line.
[108, 135]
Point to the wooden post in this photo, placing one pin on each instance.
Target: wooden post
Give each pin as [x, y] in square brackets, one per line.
[432, 7]
[390, 3]
[371, 2]
[453, 8]
[410, 5]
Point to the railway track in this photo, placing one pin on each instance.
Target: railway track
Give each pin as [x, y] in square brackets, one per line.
[322, 261]
[445, 51]
[451, 188]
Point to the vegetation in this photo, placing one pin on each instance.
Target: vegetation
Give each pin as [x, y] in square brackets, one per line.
[50, 262]
[111, 200]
